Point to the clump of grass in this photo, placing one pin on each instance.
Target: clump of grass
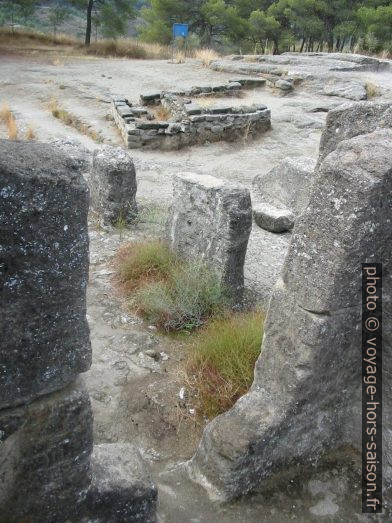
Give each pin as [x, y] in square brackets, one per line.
[180, 57]
[143, 262]
[162, 113]
[72, 120]
[167, 291]
[30, 133]
[372, 90]
[206, 56]
[220, 366]
[8, 118]
[189, 297]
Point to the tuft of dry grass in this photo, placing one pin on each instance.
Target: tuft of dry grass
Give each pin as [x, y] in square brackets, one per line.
[372, 90]
[8, 119]
[30, 133]
[206, 56]
[128, 48]
[162, 113]
[72, 120]
[25, 37]
[220, 365]
[179, 57]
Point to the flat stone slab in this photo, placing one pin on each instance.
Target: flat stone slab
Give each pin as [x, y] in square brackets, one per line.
[346, 89]
[272, 218]
[122, 489]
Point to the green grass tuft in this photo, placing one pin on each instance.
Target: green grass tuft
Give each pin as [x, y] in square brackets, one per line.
[167, 291]
[220, 366]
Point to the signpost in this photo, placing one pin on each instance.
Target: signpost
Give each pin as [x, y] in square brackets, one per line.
[179, 31]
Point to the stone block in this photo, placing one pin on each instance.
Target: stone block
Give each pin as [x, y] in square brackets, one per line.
[45, 452]
[122, 490]
[306, 397]
[211, 219]
[353, 119]
[346, 89]
[273, 219]
[43, 271]
[113, 185]
[287, 185]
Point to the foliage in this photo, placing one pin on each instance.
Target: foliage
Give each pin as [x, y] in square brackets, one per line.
[13, 12]
[58, 14]
[111, 15]
[220, 365]
[275, 25]
[167, 291]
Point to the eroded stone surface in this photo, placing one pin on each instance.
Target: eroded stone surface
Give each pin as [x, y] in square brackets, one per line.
[287, 185]
[353, 119]
[43, 271]
[273, 219]
[211, 219]
[306, 396]
[45, 452]
[122, 489]
[113, 185]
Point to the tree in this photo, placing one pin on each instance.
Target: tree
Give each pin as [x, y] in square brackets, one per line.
[57, 16]
[113, 15]
[17, 11]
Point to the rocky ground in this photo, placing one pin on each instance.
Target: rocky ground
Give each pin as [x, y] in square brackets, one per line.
[135, 379]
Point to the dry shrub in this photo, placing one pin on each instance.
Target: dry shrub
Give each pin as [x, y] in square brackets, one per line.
[8, 119]
[12, 128]
[372, 90]
[30, 133]
[220, 366]
[128, 48]
[23, 37]
[179, 57]
[162, 113]
[206, 56]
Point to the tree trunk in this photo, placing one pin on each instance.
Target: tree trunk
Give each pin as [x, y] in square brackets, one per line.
[89, 20]
[302, 45]
[342, 45]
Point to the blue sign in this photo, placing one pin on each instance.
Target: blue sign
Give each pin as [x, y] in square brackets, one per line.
[180, 30]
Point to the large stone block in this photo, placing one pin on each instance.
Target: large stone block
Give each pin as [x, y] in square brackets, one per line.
[45, 452]
[43, 271]
[352, 119]
[113, 185]
[287, 185]
[211, 219]
[122, 490]
[306, 395]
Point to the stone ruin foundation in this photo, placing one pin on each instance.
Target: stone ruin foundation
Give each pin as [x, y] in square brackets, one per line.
[210, 219]
[171, 120]
[306, 397]
[49, 471]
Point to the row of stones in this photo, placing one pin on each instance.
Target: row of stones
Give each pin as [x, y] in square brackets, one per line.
[230, 88]
[223, 124]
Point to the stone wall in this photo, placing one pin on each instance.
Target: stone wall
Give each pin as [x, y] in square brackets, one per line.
[211, 219]
[187, 123]
[306, 395]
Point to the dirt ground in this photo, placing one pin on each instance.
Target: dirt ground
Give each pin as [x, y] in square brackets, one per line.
[135, 379]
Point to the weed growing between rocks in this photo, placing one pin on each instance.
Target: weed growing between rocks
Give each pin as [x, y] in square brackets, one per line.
[220, 365]
[169, 292]
[8, 119]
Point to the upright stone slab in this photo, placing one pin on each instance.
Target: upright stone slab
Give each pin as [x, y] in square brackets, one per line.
[306, 395]
[43, 271]
[113, 185]
[45, 449]
[211, 219]
[352, 119]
